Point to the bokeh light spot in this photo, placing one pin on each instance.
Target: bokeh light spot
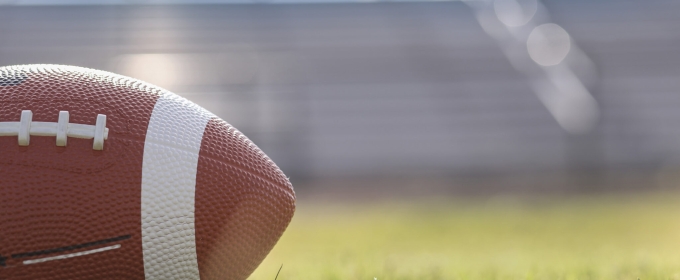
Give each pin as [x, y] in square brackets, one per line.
[515, 12]
[548, 44]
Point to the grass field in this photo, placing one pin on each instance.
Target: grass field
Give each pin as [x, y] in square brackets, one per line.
[591, 237]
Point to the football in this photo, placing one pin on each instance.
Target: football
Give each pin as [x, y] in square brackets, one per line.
[107, 177]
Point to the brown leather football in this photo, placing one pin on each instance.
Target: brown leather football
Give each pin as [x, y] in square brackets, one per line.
[106, 177]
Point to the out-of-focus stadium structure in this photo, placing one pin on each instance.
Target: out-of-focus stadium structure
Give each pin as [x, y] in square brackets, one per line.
[381, 89]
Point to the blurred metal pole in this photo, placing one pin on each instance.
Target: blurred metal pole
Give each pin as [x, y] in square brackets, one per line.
[547, 55]
[560, 73]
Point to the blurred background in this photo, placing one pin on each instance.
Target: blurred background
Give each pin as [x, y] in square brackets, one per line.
[498, 139]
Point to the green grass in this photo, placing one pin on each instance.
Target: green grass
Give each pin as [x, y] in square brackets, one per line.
[600, 237]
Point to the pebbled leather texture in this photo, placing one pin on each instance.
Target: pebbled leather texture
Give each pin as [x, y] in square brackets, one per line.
[256, 212]
[63, 210]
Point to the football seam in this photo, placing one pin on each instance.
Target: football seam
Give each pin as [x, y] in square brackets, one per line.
[286, 188]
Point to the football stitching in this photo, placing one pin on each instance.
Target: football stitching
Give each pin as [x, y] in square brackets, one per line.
[62, 129]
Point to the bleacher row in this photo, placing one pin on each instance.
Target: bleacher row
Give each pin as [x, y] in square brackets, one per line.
[382, 88]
